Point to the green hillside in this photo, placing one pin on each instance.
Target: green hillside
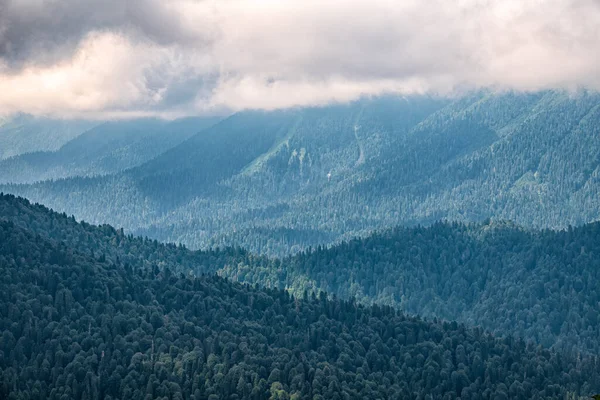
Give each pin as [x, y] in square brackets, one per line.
[278, 182]
[79, 324]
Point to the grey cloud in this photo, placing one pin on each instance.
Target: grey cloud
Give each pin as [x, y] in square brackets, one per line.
[185, 56]
[46, 32]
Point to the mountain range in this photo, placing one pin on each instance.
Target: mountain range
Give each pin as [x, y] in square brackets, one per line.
[23, 133]
[108, 148]
[394, 247]
[279, 182]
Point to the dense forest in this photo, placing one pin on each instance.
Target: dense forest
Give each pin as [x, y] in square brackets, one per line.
[90, 313]
[540, 285]
[112, 244]
[279, 182]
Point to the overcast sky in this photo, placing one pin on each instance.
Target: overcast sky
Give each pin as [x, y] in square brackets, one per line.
[98, 58]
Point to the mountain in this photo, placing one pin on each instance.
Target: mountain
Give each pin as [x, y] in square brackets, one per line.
[251, 162]
[79, 323]
[538, 285]
[106, 149]
[535, 284]
[279, 182]
[22, 133]
[112, 244]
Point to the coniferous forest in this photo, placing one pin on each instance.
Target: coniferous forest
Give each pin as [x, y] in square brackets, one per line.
[89, 312]
[299, 200]
[540, 285]
[279, 182]
[389, 248]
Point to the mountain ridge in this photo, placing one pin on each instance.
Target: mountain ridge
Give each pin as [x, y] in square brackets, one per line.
[114, 329]
[508, 156]
[473, 273]
[106, 149]
[23, 133]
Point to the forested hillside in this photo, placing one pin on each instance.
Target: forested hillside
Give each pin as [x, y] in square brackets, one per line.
[278, 182]
[106, 149]
[539, 285]
[113, 245]
[20, 134]
[81, 322]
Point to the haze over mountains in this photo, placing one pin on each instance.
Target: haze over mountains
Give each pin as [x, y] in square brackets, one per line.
[23, 133]
[277, 182]
[298, 310]
[108, 148]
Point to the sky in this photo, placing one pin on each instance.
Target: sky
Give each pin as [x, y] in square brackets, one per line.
[170, 58]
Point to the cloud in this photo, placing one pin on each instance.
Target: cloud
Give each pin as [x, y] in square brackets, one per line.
[43, 32]
[151, 57]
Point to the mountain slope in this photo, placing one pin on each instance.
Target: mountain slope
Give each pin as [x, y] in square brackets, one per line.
[22, 134]
[109, 148]
[539, 285]
[78, 325]
[253, 160]
[281, 181]
[112, 244]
